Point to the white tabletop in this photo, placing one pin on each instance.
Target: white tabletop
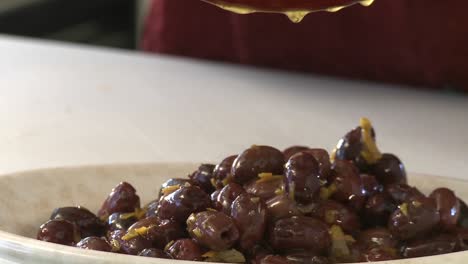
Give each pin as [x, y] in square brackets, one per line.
[63, 105]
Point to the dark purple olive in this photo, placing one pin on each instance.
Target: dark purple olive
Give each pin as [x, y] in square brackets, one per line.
[154, 253]
[323, 159]
[378, 209]
[413, 219]
[370, 185]
[289, 152]
[305, 257]
[94, 243]
[256, 160]
[226, 196]
[88, 223]
[259, 252]
[462, 238]
[280, 207]
[274, 259]
[151, 208]
[185, 249]
[377, 237]
[440, 244]
[463, 218]
[300, 232]
[349, 188]
[178, 205]
[212, 229]
[158, 232]
[59, 232]
[122, 199]
[379, 254]
[350, 148]
[222, 171]
[302, 177]
[264, 189]
[249, 214]
[202, 177]
[120, 221]
[401, 193]
[389, 170]
[172, 185]
[334, 213]
[123, 243]
[449, 207]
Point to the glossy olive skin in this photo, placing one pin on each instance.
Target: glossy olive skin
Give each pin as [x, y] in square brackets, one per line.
[159, 232]
[378, 254]
[202, 177]
[151, 208]
[389, 170]
[264, 189]
[348, 184]
[378, 209]
[370, 185]
[172, 182]
[59, 232]
[377, 237]
[401, 192]
[305, 257]
[223, 171]
[226, 196]
[334, 213]
[420, 217]
[281, 206]
[185, 249]
[300, 232]
[88, 223]
[302, 177]
[117, 221]
[350, 147]
[95, 243]
[249, 215]
[430, 246]
[214, 230]
[122, 199]
[154, 253]
[323, 159]
[448, 206]
[274, 259]
[178, 205]
[130, 246]
[255, 160]
[463, 217]
[290, 151]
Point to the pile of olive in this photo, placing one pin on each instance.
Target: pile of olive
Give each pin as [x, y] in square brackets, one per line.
[265, 206]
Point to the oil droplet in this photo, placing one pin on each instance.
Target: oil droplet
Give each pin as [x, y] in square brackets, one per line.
[296, 16]
[367, 2]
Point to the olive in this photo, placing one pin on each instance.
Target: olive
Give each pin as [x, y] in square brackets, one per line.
[401, 193]
[59, 232]
[281, 206]
[174, 182]
[334, 213]
[305, 257]
[274, 259]
[259, 252]
[95, 243]
[122, 199]
[377, 237]
[151, 208]
[462, 239]
[350, 148]
[449, 207]
[440, 244]
[264, 189]
[323, 159]
[159, 232]
[256, 160]
[202, 177]
[300, 232]
[289, 152]
[212, 229]
[415, 218]
[249, 215]
[88, 223]
[302, 177]
[128, 245]
[222, 171]
[226, 196]
[370, 185]
[178, 205]
[389, 170]
[378, 209]
[120, 221]
[348, 183]
[154, 253]
[185, 249]
[463, 217]
[379, 254]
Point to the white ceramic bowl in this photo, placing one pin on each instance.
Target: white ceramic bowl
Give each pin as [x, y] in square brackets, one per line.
[27, 199]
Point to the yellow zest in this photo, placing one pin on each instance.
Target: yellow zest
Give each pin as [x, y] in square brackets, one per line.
[170, 189]
[333, 155]
[327, 192]
[279, 191]
[331, 216]
[369, 152]
[169, 245]
[349, 238]
[213, 182]
[268, 177]
[209, 254]
[404, 208]
[115, 245]
[226, 180]
[227, 256]
[138, 213]
[339, 246]
[416, 203]
[136, 232]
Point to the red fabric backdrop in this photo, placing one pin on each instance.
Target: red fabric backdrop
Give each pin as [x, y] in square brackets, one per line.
[422, 42]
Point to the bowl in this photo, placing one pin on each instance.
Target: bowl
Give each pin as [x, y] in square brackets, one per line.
[28, 198]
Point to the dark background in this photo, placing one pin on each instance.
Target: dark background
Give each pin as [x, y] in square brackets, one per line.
[96, 22]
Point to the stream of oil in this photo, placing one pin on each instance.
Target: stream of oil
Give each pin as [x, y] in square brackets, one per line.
[295, 16]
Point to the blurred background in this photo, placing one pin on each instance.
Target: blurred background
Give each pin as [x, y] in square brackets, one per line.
[113, 23]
